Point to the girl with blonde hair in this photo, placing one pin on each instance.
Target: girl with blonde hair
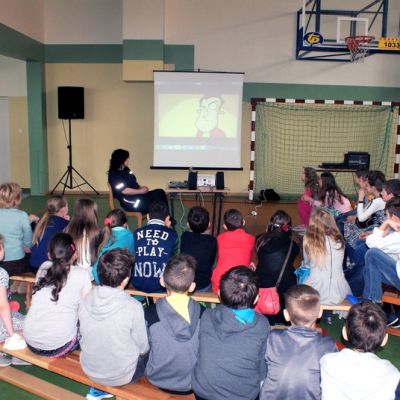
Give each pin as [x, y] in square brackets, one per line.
[85, 231]
[15, 226]
[54, 220]
[323, 252]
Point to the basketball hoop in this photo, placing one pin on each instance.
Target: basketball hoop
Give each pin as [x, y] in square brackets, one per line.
[358, 47]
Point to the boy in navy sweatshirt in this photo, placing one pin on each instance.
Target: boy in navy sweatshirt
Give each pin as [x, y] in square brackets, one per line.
[155, 244]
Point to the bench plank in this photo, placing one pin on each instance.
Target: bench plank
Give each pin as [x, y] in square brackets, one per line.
[70, 367]
[35, 385]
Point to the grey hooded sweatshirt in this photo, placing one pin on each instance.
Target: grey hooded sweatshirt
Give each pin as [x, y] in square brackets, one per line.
[174, 345]
[231, 361]
[113, 335]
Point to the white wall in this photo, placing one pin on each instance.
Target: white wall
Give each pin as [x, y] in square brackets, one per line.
[143, 19]
[258, 37]
[5, 141]
[12, 77]
[25, 16]
[83, 21]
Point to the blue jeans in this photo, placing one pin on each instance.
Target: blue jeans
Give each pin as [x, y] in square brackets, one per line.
[379, 268]
[355, 275]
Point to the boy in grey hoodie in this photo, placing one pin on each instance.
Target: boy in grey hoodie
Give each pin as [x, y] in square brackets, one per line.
[173, 326]
[233, 338]
[114, 340]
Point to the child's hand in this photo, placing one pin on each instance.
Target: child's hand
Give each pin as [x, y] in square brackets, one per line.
[33, 218]
[363, 235]
[1, 253]
[307, 198]
[252, 266]
[27, 249]
[351, 218]
[67, 217]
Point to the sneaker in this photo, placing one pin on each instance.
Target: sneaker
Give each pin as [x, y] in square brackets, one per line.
[392, 320]
[4, 360]
[98, 394]
[18, 361]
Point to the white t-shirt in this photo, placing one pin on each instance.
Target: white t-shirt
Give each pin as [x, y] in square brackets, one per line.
[49, 325]
[353, 375]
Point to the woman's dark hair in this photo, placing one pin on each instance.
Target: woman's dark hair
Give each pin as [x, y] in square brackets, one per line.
[376, 179]
[330, 190]
[118, 157]
[311, 180]
[61, 251]
[279, 222]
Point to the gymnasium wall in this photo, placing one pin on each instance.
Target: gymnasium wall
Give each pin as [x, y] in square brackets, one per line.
[86, 43]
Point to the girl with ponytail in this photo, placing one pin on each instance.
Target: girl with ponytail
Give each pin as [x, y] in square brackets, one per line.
[115, 235]
[54, 220]
[51, 325]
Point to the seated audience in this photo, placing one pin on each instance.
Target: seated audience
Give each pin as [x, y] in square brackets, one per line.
[201, 245]
[356, 372]
[311, 188]
[15, 226]
[10, 322]
[155, 244]
[272, 248]
[54, 220]
[114, 341]
[293, 354]
[323, 252]
[234, 247]
[85, 231]
[233, 339]
[173, 327]
[51, 325]
[115, 235]
[331, 196]
[382, 261]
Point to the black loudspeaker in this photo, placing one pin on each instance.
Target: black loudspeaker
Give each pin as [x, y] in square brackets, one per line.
[219, 181]
[71, 104]
[192, 180]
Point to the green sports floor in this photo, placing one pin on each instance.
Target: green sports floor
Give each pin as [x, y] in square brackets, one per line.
[36, 204]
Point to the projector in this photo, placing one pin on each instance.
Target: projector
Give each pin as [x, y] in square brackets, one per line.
[205, 180]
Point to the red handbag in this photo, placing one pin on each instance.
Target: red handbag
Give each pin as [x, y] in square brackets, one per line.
[268, 301]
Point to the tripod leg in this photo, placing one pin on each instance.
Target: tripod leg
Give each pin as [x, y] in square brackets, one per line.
[85, 181]
[66, 173]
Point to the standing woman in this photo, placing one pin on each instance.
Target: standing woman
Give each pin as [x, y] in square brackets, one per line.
[272, 248]
[131, 195]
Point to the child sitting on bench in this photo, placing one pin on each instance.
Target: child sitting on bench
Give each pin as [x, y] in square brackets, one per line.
[173, 326]
[293, 354]
[357, 373]
[114, 339]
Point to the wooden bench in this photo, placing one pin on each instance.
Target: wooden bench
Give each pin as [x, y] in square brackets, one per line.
[392, 296]
[206, 297]
[70, 367]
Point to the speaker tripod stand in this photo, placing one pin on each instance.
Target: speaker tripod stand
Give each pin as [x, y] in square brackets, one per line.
[67, 180]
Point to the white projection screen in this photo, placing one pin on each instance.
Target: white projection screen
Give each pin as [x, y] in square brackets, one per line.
[197, 119]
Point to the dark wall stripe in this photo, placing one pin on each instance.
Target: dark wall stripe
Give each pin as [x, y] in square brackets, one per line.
[83, 53]
[143, 50]
[180, 55]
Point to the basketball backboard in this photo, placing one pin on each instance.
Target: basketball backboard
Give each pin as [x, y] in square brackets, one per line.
[323, 25]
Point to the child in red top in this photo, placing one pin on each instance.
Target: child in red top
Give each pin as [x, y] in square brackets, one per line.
[234, 247]
[311, 187]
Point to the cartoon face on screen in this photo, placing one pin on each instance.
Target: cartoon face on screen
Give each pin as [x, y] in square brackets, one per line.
[208, 114]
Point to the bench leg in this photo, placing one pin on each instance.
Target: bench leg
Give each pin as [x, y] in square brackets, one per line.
[28, 296]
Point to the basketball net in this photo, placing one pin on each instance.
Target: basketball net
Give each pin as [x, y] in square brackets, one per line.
[358, 47]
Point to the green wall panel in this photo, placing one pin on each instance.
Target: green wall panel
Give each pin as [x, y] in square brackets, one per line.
[83, 53]
[143, 49]
[180, 55]
[18, 45]
[37, 127]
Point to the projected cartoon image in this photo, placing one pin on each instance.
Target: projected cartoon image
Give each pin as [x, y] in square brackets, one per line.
[208, 116]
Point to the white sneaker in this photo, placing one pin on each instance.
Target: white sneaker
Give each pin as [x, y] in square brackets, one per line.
[4, 360]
